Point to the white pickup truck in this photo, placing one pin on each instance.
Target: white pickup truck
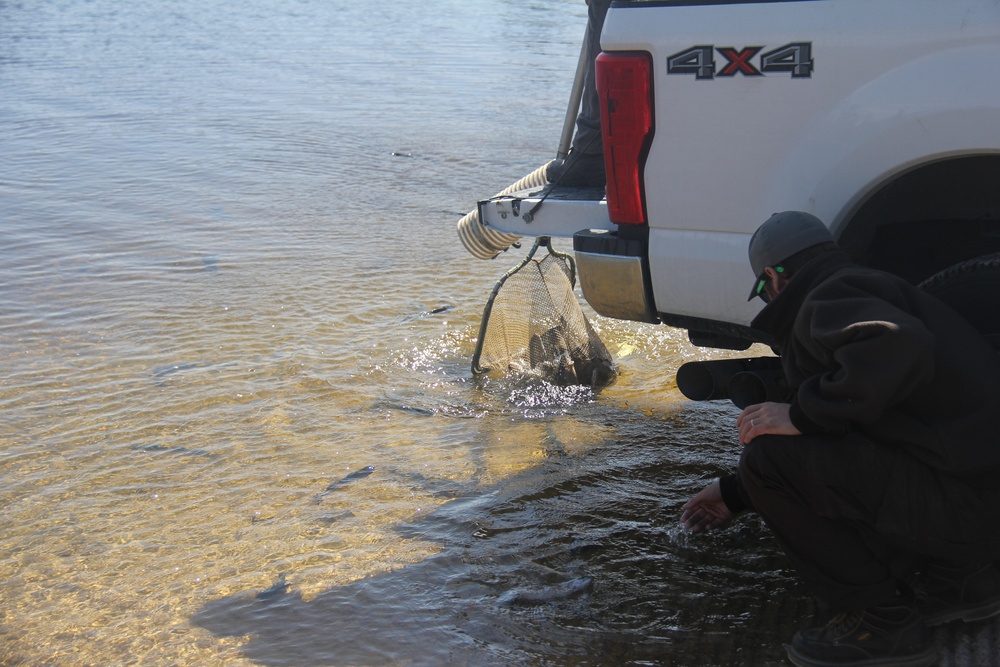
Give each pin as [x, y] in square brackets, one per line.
[881, 117]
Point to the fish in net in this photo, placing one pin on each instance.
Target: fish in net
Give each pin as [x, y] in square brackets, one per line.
[533, 325]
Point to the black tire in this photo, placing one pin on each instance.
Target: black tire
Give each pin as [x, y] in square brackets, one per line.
[972, 288]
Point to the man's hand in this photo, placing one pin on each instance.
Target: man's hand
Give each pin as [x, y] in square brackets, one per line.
[706, 511]
[764, 419]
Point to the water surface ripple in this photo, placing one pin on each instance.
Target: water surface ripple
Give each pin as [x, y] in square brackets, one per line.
[236, 325]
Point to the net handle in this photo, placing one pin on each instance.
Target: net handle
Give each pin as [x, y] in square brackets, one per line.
[566, 257]
[540, 241]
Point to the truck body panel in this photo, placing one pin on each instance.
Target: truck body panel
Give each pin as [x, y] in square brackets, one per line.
[815, 105]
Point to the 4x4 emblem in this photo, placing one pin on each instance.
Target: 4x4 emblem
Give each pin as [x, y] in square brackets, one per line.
[795, 58]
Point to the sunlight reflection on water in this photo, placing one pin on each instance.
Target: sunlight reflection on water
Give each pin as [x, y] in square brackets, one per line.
[229, 279]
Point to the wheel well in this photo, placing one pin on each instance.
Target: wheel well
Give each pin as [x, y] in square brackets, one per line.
[929, 218]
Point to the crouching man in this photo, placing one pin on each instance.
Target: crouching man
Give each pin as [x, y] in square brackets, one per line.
[881, 478]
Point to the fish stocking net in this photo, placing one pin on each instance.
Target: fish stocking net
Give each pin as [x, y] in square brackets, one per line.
[533, 325]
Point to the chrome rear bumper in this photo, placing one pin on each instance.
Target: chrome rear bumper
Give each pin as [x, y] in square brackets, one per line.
[613, 275]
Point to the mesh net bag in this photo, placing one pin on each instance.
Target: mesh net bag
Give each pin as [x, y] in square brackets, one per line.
[533, 325]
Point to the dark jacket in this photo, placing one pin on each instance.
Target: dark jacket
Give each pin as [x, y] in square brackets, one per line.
[865, 351]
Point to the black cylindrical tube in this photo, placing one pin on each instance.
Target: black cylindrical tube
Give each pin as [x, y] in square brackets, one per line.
[710, 380]
[752, 387]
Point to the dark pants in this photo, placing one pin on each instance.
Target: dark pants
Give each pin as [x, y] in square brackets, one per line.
[854, 515]
[587, 138]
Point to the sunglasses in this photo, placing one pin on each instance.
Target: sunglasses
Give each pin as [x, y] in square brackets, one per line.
[762, 283]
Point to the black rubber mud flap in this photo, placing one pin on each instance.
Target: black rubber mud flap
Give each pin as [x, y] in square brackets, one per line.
[972, 288]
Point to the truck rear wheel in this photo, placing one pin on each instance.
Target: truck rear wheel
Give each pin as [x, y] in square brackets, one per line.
[972, 288]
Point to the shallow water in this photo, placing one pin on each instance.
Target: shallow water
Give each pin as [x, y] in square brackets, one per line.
[236, 325]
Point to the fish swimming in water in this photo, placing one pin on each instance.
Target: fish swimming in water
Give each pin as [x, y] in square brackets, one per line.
[546, 594]
[357, 474]
[279, 587]
[178, 449]
[343, 481]
[330, 519]
[403, 404]
[437, 310]
[169, 369]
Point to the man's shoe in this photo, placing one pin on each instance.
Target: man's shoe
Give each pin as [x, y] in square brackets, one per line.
[949, 592]
[579, 170]
[875, 637]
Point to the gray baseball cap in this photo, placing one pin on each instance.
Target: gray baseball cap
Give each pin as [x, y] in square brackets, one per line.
[781, 236]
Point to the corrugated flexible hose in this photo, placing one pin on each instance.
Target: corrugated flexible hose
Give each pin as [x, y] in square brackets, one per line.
[485, 243]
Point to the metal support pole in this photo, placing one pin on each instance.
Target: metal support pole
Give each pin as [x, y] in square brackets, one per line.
[573, 109]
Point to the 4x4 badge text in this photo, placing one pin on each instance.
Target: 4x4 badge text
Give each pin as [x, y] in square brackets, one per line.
[795, 58]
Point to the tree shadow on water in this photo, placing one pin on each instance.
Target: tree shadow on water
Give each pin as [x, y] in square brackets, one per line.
[463, 606]
[411, 616]
[567, 565]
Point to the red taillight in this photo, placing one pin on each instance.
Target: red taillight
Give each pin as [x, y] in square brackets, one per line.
[625, 86]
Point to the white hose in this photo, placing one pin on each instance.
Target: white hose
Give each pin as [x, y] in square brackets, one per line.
[485, 243]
